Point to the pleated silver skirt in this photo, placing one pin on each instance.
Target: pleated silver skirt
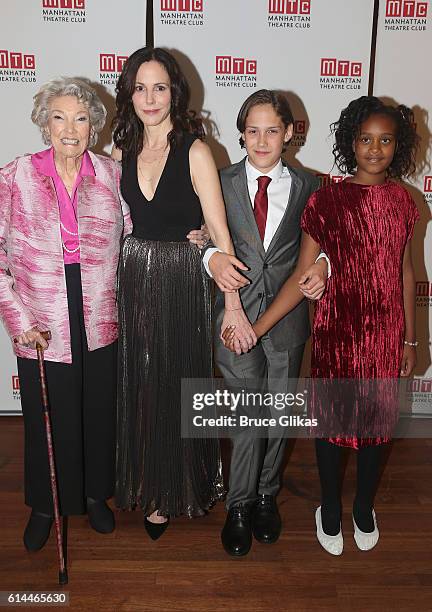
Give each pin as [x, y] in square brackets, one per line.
[164, 336]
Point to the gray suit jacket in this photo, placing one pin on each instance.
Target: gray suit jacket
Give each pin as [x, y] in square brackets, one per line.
[268, 269]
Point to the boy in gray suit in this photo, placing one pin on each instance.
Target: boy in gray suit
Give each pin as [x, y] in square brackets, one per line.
[264, 199]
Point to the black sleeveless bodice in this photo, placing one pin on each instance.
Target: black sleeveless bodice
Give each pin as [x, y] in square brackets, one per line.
[175, 208]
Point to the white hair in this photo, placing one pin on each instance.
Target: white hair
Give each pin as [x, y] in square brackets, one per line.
[68, 86]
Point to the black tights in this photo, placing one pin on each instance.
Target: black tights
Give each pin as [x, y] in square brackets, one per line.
[329, 465]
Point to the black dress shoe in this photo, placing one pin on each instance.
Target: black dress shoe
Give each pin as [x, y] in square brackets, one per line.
[100, 515]
[266, 520]
[37, 531]
[237, 533]
[155, 530]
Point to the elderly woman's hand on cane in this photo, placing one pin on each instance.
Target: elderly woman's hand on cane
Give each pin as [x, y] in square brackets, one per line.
[32, 337]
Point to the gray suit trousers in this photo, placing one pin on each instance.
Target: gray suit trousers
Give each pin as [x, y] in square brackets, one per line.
[256, 461]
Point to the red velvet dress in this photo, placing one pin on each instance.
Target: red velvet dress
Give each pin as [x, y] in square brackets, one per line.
[358, 328]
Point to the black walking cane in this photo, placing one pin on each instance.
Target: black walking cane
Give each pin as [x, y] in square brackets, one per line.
[61, 535]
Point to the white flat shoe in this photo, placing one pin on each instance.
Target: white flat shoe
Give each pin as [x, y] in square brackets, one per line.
[332, 544]
[366, 541]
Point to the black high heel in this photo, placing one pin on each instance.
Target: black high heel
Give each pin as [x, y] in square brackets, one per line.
[155, 530]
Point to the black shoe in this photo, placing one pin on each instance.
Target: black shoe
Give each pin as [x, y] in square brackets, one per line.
[37, 531]
[100, 515]
[237, 532]
[155, 530]
[266, 520]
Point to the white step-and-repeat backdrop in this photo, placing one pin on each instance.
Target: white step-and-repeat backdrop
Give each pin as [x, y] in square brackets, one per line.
[318, 51]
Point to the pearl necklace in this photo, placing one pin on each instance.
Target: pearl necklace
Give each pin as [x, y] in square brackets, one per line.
[71, 251]
[68, 231]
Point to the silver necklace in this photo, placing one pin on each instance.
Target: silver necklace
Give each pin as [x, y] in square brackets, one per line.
[157, 162]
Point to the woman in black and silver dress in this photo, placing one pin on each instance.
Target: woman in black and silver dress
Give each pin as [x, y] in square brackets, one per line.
[169, 181]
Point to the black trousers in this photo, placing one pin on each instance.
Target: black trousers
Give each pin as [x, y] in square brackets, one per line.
[82, 399]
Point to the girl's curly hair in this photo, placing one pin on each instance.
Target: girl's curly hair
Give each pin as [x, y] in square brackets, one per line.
[348, 127]
[128, 128]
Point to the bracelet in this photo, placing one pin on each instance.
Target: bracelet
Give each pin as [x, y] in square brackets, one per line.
[410, 343]
[233, 309]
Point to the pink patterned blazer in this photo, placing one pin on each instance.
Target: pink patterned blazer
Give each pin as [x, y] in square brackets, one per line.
[32, 276]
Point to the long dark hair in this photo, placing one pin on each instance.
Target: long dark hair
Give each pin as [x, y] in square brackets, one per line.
[348, 126]
[128, 128]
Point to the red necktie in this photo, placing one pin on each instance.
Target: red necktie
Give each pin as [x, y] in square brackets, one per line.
[261, 204]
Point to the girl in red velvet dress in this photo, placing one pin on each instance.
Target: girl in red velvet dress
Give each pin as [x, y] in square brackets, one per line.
[364, 326]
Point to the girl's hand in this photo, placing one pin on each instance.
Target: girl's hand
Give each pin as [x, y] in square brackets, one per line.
[313, 282]
[228, 338]
[409, 360]
[243, 337]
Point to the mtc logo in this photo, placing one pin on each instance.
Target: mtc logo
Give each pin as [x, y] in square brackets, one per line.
[427, 184]
[15, 383]
[406, 8]
[109, 62]
[333, 67]
[64, 4]
[328, 179]
[290, 7]
[193, 6]
[300, 127]
[424, 289]
[16, 60]
[422, 385]
[225, 64]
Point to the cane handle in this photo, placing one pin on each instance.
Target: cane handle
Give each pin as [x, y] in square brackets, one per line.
[46, 335]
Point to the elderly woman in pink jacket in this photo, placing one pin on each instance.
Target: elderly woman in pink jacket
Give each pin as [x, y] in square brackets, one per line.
[62, 221]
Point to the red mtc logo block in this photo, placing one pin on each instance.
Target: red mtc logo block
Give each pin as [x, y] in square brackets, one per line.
[427, 184]
[225, 64]
[419, 385]
[423, 289]
[15, 383]
[109, 62]
[300, 127]
[193, 6]
[64, 4]
[16, 60]
[333, 67]
[406, 8]
[290, 7]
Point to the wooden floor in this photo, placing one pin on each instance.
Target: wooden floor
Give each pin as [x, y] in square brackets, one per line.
[187, 569]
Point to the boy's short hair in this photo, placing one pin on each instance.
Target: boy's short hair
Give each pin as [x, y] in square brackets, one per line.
[278, 101]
